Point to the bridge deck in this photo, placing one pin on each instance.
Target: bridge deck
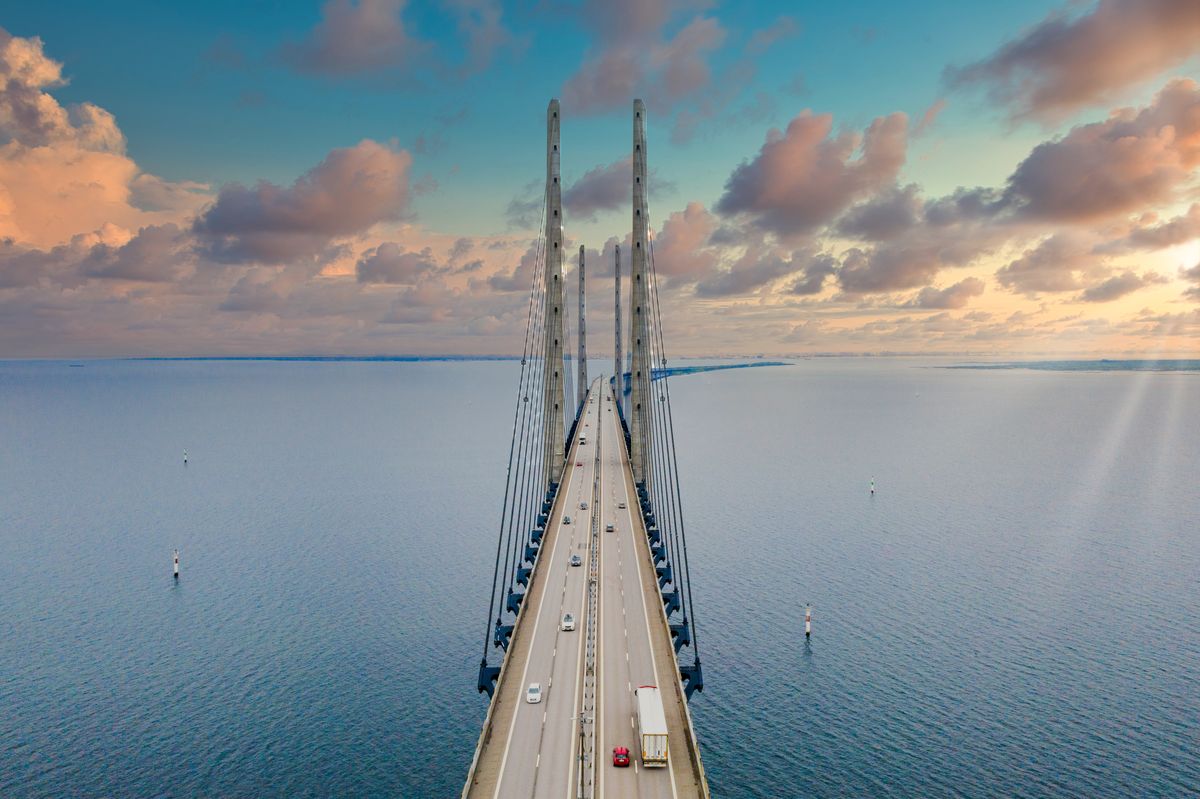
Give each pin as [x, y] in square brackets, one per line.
[534, 749]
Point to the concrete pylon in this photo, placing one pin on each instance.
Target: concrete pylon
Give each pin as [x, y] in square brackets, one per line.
[618, 361]
[639, 316]
[583, 377]
[553, 432]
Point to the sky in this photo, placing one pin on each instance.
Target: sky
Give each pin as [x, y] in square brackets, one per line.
[366, 177]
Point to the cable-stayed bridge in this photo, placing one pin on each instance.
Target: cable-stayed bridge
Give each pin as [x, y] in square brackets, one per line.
[591, 527]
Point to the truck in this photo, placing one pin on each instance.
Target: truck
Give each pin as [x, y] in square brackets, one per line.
[652, 726]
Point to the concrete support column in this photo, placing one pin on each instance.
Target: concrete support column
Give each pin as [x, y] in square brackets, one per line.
[618, 360]
[583, 375]
[639, 316]
[554, 434]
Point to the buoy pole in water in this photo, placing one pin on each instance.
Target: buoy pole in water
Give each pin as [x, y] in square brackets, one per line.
[872, 486]
[808, 621]
[185, 457]
[177, 564]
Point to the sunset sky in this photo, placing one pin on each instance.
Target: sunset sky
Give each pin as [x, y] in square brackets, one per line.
[1017, 178]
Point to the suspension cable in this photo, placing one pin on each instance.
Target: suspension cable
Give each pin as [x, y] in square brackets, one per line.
[508, 477]
[675, 470]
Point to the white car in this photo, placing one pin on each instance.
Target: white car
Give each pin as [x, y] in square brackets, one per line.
[576, 560]
[533, 694]
[621, 505]
[583, 506]
[568, 623]
[608, 528]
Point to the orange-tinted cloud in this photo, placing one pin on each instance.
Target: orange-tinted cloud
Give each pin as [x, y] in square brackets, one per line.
[1065, 63]
[803, 177]
[64, 171]
[348, 192]
[1130, 161]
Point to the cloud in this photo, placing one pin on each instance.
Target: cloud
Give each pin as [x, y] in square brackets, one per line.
[481, 26]
[521, 277]
[1192, 275]
[1118, 286]
[803, 177]
[1179, 230]
[1128, 162]
[603, 188]
[353, 38]
[681, 248]
[524, 211]
[663, 71]
[348, 192]
[156, 254]
[951, 297]
[1065, 63]
[63, 170]
[784, 27]
[1061, 262]
[32, 117]
[756, 268]
[929, 117]
[814, 273]
[889, 213]
[389, 263]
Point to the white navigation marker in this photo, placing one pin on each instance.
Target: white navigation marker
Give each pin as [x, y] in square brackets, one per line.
[808, 621]
[177, 564]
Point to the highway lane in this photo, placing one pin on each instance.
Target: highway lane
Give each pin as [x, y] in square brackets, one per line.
[626, 658]
[541, 750]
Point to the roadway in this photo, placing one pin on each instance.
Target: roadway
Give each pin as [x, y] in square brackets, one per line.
[541, 748]
[533, 750]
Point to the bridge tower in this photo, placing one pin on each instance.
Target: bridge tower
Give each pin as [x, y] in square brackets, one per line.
[639, 316]
[618, 361]
[553, 433]
[583, 377]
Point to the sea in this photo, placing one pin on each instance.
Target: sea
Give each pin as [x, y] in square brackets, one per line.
[1014, 612]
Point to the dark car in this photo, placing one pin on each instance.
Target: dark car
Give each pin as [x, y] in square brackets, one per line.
[620, 757]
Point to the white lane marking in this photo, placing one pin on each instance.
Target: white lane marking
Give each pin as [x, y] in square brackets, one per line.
[525, 672]
[598, 726]
[578, 676]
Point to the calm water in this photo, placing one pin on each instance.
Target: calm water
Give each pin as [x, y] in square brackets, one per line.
[1014, 614]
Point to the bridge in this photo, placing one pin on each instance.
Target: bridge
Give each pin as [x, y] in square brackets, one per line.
[591, 595]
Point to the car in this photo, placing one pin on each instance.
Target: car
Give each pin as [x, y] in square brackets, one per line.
[566, 520]
[620, 757]
[583, 506]
[621, 505]
[608, 528]
[533, 694]
[568, 622]
[576, 560]
[578, 463]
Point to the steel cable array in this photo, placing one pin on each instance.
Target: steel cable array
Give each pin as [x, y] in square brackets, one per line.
[525, 478]
[665, 489]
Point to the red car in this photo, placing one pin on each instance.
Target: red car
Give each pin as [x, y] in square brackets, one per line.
[578, 463]
[620, 757]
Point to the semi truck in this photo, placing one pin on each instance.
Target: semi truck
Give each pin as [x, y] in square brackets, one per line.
[652, 726]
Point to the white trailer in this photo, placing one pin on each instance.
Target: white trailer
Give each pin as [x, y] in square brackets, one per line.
[652, 726]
